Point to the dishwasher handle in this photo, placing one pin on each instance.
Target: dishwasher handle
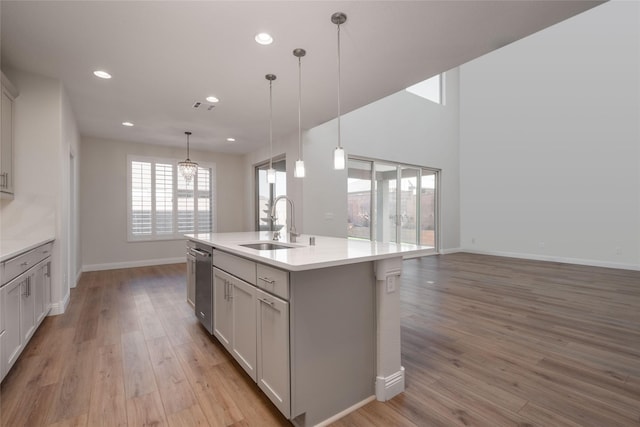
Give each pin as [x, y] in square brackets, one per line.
[199, 252]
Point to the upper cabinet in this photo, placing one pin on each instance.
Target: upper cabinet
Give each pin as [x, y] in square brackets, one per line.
[9, 94]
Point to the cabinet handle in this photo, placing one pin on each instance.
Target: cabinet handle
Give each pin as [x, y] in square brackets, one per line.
[267, 301]
[202, 315]
[266, 279]
[5, 180]
[24, 264]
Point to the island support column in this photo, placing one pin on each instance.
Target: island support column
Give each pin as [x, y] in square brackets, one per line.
[389, 370]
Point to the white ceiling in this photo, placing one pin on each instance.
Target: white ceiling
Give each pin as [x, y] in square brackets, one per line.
[166, 55]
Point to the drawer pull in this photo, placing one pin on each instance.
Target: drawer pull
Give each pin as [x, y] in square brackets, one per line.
[267, 301]
[266, 279]
[24, 264]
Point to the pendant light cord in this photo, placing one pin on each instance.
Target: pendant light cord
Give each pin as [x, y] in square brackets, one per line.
[339, 79]
[270, 125]
[188, 147]
[299, 107]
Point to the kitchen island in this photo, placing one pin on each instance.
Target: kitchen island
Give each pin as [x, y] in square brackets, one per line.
[317, 326]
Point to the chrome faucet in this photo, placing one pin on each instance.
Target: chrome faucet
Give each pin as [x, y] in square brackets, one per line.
[292, 228]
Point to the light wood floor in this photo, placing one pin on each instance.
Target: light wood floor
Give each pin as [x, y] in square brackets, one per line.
[486, 341]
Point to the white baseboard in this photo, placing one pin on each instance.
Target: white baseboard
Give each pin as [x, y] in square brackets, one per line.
[550, 258]
[450, 251]
[347, 411]
[60, 306]
[131, 264]
[390, 386]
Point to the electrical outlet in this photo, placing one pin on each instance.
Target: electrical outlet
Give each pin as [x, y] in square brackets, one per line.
[391, 284]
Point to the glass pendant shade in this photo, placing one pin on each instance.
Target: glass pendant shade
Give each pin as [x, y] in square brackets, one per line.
[271, 176]
[338, 158]
[298, 172]
[187, 168]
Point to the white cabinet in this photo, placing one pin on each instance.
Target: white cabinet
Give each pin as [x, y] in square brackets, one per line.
[234, 318]
[273, 350]
[42, 290]
[252, 322]
[222, 307]
[243, 347]
[11, 301]
[28, 307]
[25, 300]
[9, 93]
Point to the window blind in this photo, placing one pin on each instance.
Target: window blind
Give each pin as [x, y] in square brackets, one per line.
[163, 205]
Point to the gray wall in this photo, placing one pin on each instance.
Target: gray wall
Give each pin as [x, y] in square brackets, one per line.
[550, 143]
[103, 207]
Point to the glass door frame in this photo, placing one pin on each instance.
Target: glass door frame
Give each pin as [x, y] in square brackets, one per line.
[398, 203]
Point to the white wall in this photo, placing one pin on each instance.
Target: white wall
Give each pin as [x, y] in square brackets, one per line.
[44, 130]
[103, 203]
[550, 143]
[402, 127]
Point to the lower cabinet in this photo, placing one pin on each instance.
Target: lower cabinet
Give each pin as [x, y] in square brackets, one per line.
[234, 321]
[253, 325]
[25, 300]
[12, 299]
[273, 350]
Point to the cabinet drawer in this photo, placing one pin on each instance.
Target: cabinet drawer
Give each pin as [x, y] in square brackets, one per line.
[273, 280]
[239, 267]
[21, 263]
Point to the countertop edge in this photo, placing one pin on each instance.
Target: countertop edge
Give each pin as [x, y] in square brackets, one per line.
[309, 265]
[14, 252]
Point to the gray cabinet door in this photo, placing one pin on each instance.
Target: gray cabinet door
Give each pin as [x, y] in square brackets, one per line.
[273, 350]
[11, 300]
[244, 325]
[222, 311]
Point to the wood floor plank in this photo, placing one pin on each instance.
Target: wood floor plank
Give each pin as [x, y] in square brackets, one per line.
[138, 373]
[107, 406]
[146, 410]
[189, 417]
[74, 390]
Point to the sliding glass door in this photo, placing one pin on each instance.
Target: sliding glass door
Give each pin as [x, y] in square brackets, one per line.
[391, 202]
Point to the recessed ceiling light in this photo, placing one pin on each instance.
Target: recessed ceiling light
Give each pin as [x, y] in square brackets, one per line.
[102, 74]
[129, 124]
[231, 140]
[264, 38]
[212, 99]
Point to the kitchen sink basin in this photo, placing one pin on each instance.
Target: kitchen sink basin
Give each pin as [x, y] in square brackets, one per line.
[266, 246]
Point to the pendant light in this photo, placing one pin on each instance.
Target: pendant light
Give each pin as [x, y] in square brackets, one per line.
[299, 172]
[187, 168]
[271, 172]
[339, 156]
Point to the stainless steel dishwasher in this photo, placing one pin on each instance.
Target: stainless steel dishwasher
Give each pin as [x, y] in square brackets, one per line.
[204, 286]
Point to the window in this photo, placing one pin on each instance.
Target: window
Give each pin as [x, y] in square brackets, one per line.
[163, 205]
[266, 193]
[391, 202]
[431, 89]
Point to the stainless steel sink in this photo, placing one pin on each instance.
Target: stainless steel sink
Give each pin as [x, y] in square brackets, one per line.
[266, 246]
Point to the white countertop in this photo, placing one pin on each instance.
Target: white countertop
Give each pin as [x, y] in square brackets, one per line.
[327, 252]
[12, 247]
